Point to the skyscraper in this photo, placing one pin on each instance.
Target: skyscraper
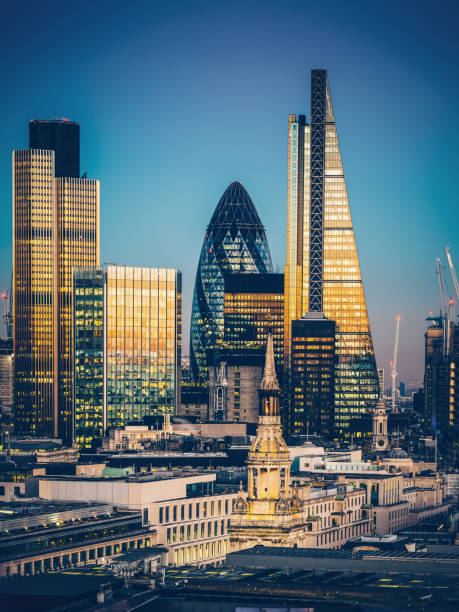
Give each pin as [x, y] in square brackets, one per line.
[61, 136]
[127, 347]
[55, 228]
[312, 376]
[143, 343]
[323, 271]
[235, 242]
[89, 395]
[253, 308]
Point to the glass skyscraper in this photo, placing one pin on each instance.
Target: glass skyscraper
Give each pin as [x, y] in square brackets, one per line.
[143, 343]
[88, 397]
[127, 347]
[235, 242]
[254, 308]
[55, 228]
[313, 375]
[323, 271]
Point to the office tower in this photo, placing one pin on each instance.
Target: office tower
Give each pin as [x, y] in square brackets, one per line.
[439, 381]
[401, 388]
[381, 382]
[89, 357]
[55, 228]
[127, 347]
[313, 376]
[61, 136]
[235, 241]
[77, 245]
[143, 343]
[253, 309]
[323, 271]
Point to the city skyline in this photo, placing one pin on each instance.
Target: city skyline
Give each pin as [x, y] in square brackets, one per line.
[413, 207]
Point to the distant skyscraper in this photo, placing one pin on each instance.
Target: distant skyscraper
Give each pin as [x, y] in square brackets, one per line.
[439, 382]
[62, 137]
[323, 272]
[312, 376]
[55, 228]
[235, 241]
[6, 376]
[381, 382]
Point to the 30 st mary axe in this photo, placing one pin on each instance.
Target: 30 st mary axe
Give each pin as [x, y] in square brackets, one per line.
[323, 272]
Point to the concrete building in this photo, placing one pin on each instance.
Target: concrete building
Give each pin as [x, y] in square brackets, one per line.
[398, 498]
[137, 437]
[192, 522]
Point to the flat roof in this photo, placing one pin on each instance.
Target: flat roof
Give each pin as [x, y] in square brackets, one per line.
[27, 509]
[147, 477]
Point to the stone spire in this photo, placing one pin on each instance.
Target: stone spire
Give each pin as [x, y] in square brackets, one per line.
[269, 382]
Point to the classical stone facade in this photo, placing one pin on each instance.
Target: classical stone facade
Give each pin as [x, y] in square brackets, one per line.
[380, 439]
[275, 513]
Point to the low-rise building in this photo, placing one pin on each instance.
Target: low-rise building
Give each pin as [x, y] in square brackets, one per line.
[138, 437]
[37, 537]
[192, 521]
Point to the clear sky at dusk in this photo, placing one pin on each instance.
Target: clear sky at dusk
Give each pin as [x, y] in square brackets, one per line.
[176, 100]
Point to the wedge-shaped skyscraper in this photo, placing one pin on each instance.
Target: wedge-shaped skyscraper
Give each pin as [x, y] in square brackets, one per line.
[323, 271]
[235, 242]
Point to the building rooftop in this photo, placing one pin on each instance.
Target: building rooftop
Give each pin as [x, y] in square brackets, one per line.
[143, 477]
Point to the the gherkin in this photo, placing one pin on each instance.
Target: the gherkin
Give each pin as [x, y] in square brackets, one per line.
[235, 242]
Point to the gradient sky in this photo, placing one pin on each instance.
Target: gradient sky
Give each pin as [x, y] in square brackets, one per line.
[176, 100]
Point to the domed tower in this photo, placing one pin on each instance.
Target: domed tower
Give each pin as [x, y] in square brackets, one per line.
[234, 242]
[380, 438]
[271, 511]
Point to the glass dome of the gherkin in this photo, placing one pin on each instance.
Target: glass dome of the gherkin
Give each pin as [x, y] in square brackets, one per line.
[235, 242]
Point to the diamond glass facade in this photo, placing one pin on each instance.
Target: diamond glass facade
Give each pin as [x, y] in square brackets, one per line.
[235, 242]
[323, 271]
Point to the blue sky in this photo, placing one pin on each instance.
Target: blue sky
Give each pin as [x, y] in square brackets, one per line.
[176, 100]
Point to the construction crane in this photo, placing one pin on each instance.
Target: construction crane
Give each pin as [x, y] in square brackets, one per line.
[393, 363]
[453, 272]
[445, 315]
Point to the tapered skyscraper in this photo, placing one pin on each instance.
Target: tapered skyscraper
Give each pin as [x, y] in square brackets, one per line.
[323, 271]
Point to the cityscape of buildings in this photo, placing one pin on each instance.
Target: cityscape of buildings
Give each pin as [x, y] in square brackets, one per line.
[276, 444]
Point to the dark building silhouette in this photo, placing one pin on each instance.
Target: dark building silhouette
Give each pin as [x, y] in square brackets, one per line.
[312, 376]
[437, 381]
[62, 137]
